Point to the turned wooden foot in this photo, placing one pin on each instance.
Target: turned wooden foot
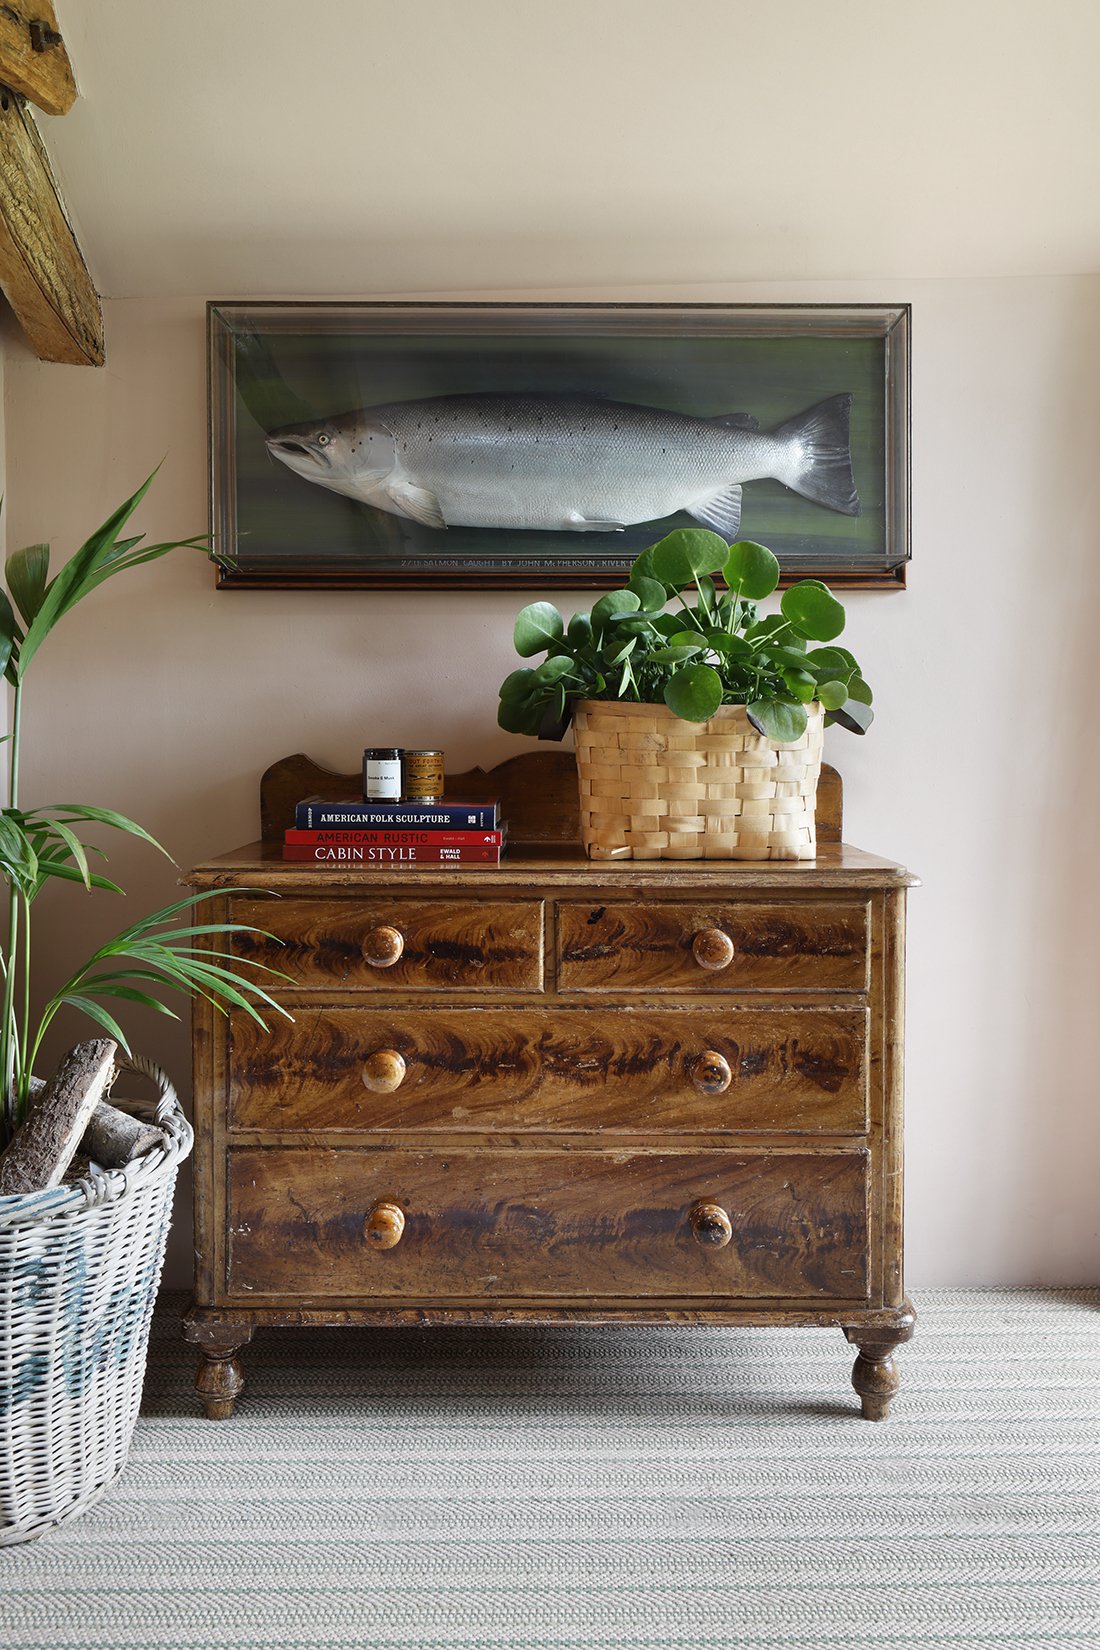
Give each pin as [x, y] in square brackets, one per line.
[219, 1379]
[875, 1374]
[219, 1382]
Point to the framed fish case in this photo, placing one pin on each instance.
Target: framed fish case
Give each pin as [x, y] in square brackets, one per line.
[472, 445]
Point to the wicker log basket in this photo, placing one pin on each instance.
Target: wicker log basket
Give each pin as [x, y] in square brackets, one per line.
[79, 1270]
[653, 786]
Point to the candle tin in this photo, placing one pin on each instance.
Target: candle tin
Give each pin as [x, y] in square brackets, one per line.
[423, 776]
[382, 774]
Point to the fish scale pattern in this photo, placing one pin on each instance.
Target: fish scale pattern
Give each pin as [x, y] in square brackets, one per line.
[653, 786]
[566, 1489]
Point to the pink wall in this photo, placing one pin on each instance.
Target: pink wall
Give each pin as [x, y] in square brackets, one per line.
[165, 699]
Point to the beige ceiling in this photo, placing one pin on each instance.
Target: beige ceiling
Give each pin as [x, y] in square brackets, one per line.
[231, 147]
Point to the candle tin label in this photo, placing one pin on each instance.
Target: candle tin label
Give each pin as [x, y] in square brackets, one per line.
[382, 774]
[423, 776]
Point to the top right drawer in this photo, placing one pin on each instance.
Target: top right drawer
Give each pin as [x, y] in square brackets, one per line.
[693, 948]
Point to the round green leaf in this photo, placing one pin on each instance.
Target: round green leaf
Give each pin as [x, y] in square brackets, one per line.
[515, 716]
[536, 627]
[552, 670]
[580, 629]
[650, 592]
[643, 569]
[614, 603]
[751, 570]
[790, 658]
[778, 720]
[829, 662]
[731, 647]
[674, 654]
[686, 554]
[855, 717]
[517, 686]
[858, 690]
[694, 693]
[801, 684]
[832, 694]
[813, 610]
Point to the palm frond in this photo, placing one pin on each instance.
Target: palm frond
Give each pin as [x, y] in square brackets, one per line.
[95, 1011]
[27, 571]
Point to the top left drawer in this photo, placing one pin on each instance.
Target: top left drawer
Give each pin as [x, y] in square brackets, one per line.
[392, 943]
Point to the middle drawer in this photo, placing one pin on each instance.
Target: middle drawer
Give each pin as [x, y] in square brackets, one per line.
[572, 1070]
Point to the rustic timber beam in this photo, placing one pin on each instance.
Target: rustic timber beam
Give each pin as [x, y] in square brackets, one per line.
[42, 272]
[33, 59]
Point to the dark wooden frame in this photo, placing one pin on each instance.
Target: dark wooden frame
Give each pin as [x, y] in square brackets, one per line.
[759, 322]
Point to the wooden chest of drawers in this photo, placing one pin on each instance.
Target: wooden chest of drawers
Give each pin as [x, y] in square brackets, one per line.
[556, 1091]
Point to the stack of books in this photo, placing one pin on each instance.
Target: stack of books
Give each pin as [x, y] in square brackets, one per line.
[396, 833]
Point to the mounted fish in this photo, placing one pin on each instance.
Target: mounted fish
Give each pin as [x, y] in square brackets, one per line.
[566, 463]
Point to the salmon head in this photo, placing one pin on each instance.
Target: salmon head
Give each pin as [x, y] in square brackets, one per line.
[347, 454]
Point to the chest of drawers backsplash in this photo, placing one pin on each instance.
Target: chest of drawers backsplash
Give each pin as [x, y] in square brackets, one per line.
[556, 1091]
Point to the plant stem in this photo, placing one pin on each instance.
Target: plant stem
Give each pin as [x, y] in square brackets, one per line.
[23, 1075]
[766, 641]
[7, 1029]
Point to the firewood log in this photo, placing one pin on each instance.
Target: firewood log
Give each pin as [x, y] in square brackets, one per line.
[58, 1116]
[113, 1137]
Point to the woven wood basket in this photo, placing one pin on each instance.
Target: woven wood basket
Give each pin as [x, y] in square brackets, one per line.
[656, 787]
[79, 1269]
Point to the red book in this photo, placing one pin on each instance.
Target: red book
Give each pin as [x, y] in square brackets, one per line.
[396, 839]
[382, 855]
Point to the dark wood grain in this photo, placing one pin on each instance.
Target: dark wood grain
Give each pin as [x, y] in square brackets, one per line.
[630, 946]
[538, 793]
[484, 1224]
[322, 944]
[546, 1133]
[569, 1070]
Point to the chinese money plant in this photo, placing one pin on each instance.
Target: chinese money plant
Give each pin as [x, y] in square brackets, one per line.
[712, 648]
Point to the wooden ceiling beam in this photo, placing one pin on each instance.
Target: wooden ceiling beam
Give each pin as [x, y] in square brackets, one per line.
[33, 59]
[42, 271]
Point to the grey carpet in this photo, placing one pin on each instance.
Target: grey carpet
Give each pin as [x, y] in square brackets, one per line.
[620, 1490]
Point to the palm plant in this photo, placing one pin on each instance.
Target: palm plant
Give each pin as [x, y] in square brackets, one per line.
[164, 952]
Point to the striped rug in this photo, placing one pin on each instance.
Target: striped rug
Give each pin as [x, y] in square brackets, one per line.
[646, 1489]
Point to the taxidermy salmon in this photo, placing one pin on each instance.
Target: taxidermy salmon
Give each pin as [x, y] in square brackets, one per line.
[566, 463]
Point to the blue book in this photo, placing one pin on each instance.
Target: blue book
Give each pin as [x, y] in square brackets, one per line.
[315, 814]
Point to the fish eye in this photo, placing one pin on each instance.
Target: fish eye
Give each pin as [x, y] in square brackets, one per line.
[323, 439]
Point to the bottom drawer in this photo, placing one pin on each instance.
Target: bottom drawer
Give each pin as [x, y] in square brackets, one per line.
[512, 1225]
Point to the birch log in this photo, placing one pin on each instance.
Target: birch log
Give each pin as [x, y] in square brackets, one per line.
[114, 1138]
[47, 1143]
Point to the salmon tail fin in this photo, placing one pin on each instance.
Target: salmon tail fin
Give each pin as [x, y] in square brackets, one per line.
[818, 458]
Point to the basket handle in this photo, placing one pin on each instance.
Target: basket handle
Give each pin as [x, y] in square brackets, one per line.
[169, 1114]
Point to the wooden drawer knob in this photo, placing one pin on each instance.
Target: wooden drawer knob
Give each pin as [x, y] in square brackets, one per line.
[384, 1071]
[712, 949]
[711, 1073]
[710, 1225]
[384, 1226]
[383, 947]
